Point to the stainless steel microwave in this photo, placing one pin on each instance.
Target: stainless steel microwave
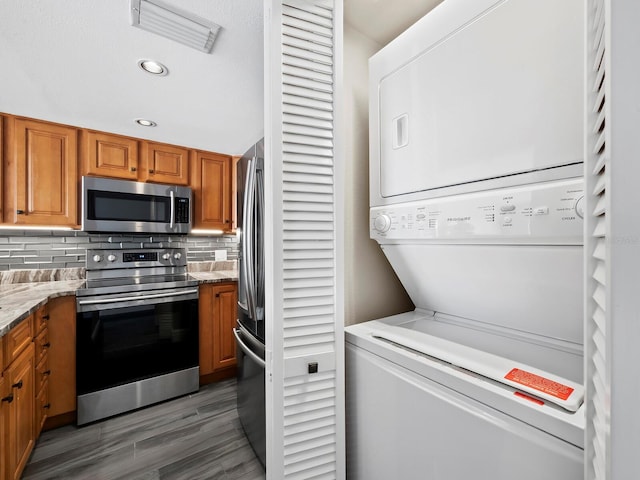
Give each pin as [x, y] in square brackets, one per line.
[135, 207]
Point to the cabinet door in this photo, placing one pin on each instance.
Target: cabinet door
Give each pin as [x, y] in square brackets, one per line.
[62, 356]
[224, 347]
[206, 331]
[2, 148]
[212, 191]
[44, 162]
[165, 164]
[218, 307]
[4, 422]
[21, 424]
[108, 155]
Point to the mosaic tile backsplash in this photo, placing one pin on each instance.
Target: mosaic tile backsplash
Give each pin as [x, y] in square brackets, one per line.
[43, 249]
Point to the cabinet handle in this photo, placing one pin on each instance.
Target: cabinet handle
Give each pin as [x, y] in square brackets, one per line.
[133, 169]
[46, 372]
[152, 172]
[227, 221]
[17, 385]
[8, 398]
[20, 212]
[45, 317]
[47, 406]
[46, 345]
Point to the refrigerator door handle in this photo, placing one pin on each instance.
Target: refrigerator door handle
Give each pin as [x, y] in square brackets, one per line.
[258, 264]
[247, 240]
[247, 350]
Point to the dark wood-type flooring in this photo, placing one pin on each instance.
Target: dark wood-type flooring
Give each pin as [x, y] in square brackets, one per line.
[193, 437]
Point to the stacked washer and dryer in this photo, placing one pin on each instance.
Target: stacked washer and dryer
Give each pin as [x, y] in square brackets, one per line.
[476, 122]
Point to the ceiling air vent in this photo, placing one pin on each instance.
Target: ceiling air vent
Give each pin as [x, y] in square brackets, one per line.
[175, 24]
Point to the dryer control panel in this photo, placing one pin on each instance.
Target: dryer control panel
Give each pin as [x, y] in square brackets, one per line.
[540, 214]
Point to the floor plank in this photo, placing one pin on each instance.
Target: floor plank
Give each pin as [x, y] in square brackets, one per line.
[198, 436]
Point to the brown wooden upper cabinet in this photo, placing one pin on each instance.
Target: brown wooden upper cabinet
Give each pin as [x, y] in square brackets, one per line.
[107, 155]
[2, 147]
[41, 175]
[211, 183]
[114, 156]
[165, 164]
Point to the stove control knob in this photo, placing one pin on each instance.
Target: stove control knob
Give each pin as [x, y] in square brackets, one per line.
[166, 256]
[177, 255]
[97, 258]
[111, 258]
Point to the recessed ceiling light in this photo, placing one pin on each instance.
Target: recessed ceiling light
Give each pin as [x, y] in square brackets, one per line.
[151, 66]
[145, 123]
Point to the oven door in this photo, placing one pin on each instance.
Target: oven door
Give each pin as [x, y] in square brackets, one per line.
[127, 338]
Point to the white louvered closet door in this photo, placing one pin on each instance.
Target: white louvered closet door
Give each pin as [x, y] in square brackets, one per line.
[304, 303]
[612, 240]
[596, 165]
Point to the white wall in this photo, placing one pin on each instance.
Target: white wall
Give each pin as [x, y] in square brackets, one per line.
[372, 289]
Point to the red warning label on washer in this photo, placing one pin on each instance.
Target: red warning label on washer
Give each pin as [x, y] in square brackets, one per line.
[539, 383]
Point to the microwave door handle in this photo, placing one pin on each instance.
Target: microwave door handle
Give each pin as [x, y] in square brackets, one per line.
[172, 210]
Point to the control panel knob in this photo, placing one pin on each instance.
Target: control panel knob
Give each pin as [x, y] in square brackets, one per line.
[97, 258]
[580, 207]
[111, 258]
[166, 256]
[177, 255]
[382, 223]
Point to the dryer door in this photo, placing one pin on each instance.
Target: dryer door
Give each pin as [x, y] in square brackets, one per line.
[502, 95]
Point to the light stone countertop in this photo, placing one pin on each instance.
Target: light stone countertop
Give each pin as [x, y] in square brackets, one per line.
[215, 276]
[19, 300]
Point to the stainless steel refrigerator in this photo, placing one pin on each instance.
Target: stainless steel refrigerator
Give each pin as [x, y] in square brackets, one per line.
[250, 328]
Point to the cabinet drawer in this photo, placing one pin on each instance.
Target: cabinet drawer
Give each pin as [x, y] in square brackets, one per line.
[42, 344]
[2, 364]
[42, 373]
[40, 319]
[18, 338]
[42, 407]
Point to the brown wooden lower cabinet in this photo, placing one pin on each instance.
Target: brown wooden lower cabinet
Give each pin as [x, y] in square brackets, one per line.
[37, 381]
[20, 412]
[4, 421]
[218, 307]
[62, 361]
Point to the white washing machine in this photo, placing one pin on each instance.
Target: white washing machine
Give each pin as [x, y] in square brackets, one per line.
[485, 378]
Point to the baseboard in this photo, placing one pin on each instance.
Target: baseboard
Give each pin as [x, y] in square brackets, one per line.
[59, 421]
[218, 376]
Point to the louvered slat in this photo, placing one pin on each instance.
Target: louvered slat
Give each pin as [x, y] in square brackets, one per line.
[290, 72]
[309, 93]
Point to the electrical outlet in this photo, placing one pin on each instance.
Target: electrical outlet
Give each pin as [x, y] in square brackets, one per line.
[220, 255]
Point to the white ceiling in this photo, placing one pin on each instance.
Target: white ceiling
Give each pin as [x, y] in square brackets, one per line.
[384, 20]
[75, 62]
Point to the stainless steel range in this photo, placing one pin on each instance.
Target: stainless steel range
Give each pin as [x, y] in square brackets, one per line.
[136, 331]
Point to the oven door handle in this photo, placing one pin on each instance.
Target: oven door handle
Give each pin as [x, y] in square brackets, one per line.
[247, 350]
[139, 297]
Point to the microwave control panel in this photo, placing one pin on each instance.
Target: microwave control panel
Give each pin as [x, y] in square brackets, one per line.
[182, 210]
[549, 212]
